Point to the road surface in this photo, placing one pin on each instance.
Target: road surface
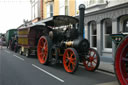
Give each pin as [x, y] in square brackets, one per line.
[20, 70]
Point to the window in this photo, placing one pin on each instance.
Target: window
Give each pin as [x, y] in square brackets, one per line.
[125, 26]
[107, 30]
[66, 7]
[123, 23]
[50, 10]
[62, 7]
[94, 2]
[34, 11]
[100, 1]
[32, 1]
[93, 34]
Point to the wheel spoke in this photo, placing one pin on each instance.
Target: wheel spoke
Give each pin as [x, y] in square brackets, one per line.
[41, 54]
[93, 54]
[44, 56]
[69, 65]
[71, 55]
[89, 52]
[73, 63]
[45, 44]
[95, 58]
[87, 63]
[67, 55]
[94, 62]
[92, 65]
[73, 59]
[45, 48]
[73, 67]
[41, 42]
[125, 59]
[67, 61]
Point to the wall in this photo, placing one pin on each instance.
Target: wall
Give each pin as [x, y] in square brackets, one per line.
[71, 7]
[56, 7]
[44, 9]
[106, 4]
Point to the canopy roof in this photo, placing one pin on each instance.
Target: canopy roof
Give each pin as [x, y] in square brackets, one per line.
[60, 20]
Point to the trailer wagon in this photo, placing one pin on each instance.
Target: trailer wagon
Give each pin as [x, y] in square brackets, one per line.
[28, 38]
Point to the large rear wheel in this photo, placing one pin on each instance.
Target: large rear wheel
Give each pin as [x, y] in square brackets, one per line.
[43, 49]
[121, 62]
[70, 60]
[92, 60]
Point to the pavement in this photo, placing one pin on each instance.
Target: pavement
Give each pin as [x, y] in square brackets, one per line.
[107, 67]
[106, 64]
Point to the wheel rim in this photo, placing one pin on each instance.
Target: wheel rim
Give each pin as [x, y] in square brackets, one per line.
[69, 60]
[91, 60]
[121, 62]
[42, 50]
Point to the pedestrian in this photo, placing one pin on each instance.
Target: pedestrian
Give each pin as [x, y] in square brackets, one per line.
[1, 43]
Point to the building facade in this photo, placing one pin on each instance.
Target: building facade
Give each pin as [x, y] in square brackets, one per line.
[103, 18]
[41, 9]
[36, 10]
[58, 7]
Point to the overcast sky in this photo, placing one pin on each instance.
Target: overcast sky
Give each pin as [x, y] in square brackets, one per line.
[12, 13]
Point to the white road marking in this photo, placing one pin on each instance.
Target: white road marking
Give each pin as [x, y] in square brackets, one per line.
[48, 73]
[19, 57]
[7, 51]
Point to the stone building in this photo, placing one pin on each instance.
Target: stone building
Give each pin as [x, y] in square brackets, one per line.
[103, 18]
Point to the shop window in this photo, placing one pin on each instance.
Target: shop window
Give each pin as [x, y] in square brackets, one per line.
[93, 34]
[107, 30]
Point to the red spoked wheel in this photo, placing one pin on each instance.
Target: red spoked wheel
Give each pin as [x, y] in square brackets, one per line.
[70, 60]
[92, 60]
[121, 62]
[43, 48]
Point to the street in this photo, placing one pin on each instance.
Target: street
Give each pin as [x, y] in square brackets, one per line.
[20, 70]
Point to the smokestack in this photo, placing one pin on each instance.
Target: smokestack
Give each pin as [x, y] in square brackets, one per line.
[81, 19]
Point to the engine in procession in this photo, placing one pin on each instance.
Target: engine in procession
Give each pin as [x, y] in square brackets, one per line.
[71, 35]
[65, 43]
[68, 36]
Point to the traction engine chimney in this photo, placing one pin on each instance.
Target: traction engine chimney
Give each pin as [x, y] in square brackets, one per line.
[81, 19]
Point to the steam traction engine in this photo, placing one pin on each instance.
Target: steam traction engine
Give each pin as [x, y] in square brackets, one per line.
[121, 57]
[66, 43]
